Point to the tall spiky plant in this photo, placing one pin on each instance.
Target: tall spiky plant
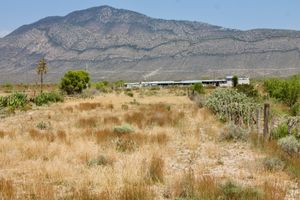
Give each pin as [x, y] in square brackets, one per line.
[41, 70]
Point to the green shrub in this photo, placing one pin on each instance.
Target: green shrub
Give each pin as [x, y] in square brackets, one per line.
[42, 125]
[289, 144]
[234, 132]
[14, 101]
[248, 90]
[280, 132]
[233, 191]
[295, 109]
[102, 86]
[74, 82]
[130, 94]
[273, 164]
[198, 87]
[125, 128]
[100, 160]
[45, 98]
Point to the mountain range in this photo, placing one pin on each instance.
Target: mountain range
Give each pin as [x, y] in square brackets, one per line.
[117, 44]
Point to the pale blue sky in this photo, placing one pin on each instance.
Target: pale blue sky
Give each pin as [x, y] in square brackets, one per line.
[237, 14]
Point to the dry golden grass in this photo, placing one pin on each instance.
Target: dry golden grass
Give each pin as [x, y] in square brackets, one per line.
[274, 191]
[7, 190]
[88, 106]
[80, 156]
[87, 122]
[156, 169]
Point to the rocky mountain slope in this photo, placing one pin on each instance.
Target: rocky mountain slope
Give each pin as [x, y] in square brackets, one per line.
[121, 44]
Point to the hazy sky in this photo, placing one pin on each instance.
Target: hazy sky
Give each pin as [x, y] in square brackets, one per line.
[237, 14]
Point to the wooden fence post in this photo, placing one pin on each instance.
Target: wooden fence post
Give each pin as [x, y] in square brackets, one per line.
[258, 123]
[266, 120]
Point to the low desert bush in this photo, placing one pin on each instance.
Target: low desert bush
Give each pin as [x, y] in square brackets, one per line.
[248, 90]
[289, 145]
[122, 129]
[46, 98]
[232, 191]
[130, 94]
[295, 109]
[234, 132]
[280, 131]
[42, 125]
[273, 164]
[100, 161]
[14, 101]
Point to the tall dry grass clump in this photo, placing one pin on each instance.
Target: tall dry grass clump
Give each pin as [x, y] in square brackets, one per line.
[41, 135]
[104, 135]
[156, 169]
[274, 191]
[87, 122]
[111, 120]
[88, 106]
[191, 187]
[136, 190]
[7, 190]
[154, 115]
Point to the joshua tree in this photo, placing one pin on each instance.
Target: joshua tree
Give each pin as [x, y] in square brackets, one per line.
[41, 70]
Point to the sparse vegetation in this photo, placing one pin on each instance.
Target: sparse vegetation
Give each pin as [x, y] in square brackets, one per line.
[46, 98]
[234, 132]
[290, 145]
[125, 128]
[106, 147]
[273, 164]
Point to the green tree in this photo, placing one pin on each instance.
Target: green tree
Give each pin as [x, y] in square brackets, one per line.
[235, 81]
[41, 70]
[198, 87]
[74, 82]
[285, 90]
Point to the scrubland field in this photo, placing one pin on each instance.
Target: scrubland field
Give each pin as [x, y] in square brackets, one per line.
[151, 144]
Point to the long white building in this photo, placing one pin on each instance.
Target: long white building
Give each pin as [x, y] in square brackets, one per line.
[227, 82]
